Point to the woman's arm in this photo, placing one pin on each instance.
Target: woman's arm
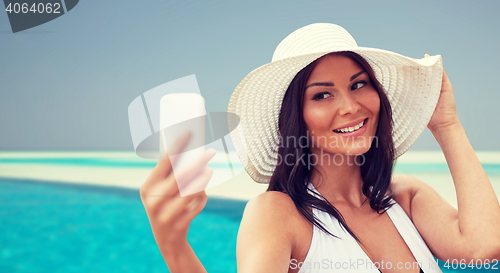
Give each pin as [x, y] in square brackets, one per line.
[472, 232]
[170, 214]
[478, 207]
[265, 237]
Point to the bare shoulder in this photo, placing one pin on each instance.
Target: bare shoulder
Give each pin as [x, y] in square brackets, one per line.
[404, 187]
[271, 198]
[403, 183]
[271, 207]
[268, 224]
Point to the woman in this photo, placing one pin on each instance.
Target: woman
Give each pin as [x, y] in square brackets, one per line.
[344, 113]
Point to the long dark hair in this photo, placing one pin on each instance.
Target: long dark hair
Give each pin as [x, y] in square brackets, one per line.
[293, 180]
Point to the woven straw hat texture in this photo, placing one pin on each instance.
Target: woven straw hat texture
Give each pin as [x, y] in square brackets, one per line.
[412, 87]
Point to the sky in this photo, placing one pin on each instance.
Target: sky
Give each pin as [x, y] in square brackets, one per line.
[66, 85]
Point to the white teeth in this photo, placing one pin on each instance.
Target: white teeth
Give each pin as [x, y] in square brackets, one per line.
[350, 129]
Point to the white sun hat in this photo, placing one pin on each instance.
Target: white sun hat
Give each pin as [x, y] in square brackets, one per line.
[412, 87]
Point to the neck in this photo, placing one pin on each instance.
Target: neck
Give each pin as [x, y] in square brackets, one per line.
[339, 180]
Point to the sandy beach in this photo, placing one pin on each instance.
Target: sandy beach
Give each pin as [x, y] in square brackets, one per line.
[240, 186]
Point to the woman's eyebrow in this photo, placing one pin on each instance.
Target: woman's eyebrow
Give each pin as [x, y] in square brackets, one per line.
[320, 84]
[331, 83]
[356, 75]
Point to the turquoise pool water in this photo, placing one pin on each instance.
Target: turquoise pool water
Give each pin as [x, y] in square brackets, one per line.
[58, 227]
[54, 227]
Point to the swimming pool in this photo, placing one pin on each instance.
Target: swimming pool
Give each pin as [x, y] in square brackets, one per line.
[56, 227]
[60, 227]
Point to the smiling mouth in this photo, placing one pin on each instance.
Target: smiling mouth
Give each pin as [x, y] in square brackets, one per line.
[351, 129]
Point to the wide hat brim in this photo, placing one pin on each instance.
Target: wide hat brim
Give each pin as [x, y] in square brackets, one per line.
[411, 85]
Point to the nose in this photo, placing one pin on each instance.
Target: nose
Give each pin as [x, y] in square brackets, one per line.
[348, 104]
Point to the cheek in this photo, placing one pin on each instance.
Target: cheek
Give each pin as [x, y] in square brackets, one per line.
[373, 106]
[376, 106]
[371, 101]
[316, 118]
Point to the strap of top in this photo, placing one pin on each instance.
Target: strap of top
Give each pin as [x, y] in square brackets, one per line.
[412, 238]
[351, 249]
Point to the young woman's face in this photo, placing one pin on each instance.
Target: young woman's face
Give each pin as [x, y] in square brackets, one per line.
[341, 107]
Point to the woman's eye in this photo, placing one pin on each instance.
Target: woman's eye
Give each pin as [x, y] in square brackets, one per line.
[321, 96]
[357, 85]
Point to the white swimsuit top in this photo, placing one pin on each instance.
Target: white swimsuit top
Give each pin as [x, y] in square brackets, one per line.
[330, 254]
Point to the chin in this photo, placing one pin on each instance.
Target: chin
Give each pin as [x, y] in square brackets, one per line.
[337, 156]
[355, 148]
[342, 150]
[355, 151]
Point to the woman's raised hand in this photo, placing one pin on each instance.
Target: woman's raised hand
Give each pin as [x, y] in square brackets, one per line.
[170, 214]
[445, 113]
[473, 231]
